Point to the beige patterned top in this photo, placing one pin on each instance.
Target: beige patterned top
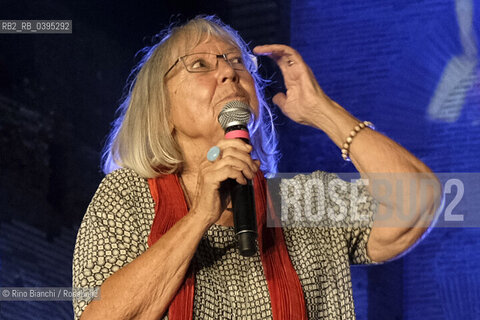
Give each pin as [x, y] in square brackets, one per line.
[115, 229]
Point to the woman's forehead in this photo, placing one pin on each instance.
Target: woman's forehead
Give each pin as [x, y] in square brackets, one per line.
[214, 45]
[207, 43]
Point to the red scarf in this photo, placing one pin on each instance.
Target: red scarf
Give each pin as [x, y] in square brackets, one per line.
[286, 293]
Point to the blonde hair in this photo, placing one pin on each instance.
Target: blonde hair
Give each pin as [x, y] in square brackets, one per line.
[141, 138]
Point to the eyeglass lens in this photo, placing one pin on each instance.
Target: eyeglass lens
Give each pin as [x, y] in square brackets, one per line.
[203, 62]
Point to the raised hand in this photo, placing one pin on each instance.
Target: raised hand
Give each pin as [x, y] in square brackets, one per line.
[304, 99]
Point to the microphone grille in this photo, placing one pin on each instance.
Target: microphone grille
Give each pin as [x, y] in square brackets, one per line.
[234, 113]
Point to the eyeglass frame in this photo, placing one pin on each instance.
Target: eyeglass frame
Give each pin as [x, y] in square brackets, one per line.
[217, 56]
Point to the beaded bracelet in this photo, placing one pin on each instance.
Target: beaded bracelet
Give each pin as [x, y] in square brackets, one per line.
[353, 133]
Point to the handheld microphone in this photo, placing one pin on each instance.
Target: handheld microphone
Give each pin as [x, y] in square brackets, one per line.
[234, 118]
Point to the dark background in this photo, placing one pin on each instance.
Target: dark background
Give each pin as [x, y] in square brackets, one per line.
[411, 67]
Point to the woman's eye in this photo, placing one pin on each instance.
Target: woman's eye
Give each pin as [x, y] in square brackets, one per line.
[198, 64]
[236, 60]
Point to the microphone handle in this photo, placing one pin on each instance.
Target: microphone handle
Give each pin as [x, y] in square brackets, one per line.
[244, 217]
[243, 203]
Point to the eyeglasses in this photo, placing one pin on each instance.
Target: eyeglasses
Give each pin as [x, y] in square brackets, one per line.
[205, 62]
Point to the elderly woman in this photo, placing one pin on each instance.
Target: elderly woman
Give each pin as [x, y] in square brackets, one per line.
[157, 237]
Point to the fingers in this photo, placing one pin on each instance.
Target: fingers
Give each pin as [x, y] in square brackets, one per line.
[234, 162]
[285, 56]
[223, 171]
[274, 49]
[239, 163]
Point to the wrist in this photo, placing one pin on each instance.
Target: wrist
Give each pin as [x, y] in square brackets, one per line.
[334, 120]
[348, 141]
[202, 220]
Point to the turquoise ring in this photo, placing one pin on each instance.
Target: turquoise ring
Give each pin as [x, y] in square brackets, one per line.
[213, 153]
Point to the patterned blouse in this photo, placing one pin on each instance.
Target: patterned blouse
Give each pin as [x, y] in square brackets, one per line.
[115, 229]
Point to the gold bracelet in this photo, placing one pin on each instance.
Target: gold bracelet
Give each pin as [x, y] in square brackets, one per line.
[353, 133]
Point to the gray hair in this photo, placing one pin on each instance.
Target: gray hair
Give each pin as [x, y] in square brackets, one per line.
[141, 138]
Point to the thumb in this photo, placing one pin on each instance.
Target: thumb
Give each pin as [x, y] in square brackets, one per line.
[279, 99]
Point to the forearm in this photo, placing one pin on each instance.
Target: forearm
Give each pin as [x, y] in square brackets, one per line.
[407, 192]
[370, 151]
[144, 288]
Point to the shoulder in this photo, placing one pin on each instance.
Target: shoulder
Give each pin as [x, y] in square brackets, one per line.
[329, 184]
[316, 175]
[302, 179]
[325, 200]
[122, 206]
[302, 187]
[124, 178]
[123, 191]
[123, 182]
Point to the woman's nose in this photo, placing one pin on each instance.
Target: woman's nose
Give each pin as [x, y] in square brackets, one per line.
[226, 71]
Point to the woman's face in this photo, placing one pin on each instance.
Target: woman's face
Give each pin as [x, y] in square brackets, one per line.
[196, 99]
